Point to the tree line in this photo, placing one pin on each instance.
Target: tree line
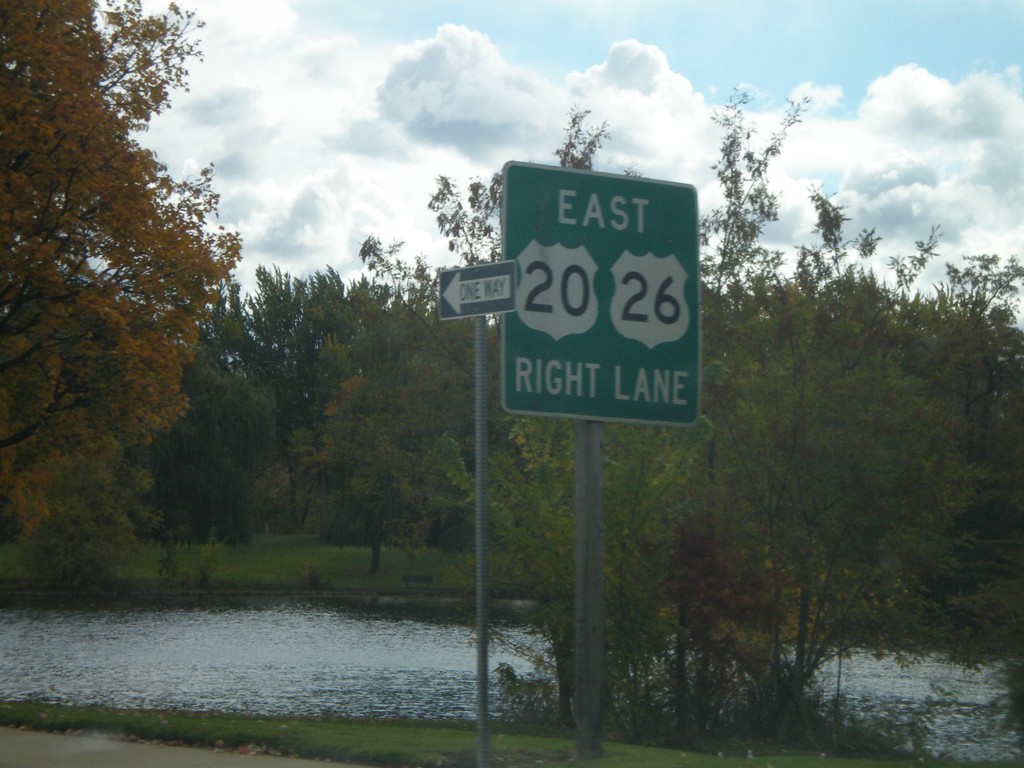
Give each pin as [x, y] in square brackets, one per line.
[853, 482]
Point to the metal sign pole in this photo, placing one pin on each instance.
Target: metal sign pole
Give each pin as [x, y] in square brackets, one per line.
[588, 699]
[476, 292]
[483, 746]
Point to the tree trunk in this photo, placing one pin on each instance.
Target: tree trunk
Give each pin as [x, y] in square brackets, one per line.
[793, 679]
[376, 538]
[561, 647]
[684, 717]
[380, 513]
[375, 556]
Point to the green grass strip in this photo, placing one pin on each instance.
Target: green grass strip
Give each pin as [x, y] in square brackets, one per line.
[402, 742]
[285, 563]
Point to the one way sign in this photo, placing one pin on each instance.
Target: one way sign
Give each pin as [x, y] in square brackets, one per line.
[481, 290]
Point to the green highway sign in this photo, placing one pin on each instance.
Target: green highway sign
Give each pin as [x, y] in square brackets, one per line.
[607, 316]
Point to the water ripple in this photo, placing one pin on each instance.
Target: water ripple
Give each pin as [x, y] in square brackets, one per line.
[322, 657]
[294, 659]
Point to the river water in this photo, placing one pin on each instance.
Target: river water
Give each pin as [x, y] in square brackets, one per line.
[315, 657]
[960, 708]
[263, 656]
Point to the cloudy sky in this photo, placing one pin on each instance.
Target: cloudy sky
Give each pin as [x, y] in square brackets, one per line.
[329, 120]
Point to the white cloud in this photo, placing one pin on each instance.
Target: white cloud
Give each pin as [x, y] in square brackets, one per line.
[656, 121]
[947, 154]
[912, 104]
[876, 177]
[320, 138]
[456, 90]
[630, 66]
[820, 98]
[972, 131]
[248, 22]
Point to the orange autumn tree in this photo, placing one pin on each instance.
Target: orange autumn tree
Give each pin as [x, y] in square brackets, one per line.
[106, 262]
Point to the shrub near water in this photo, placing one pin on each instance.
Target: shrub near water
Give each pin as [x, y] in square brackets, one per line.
[90, 534]
[311, 576]
[209, 560]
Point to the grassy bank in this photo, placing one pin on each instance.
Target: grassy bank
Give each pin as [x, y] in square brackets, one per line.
[287, 562]
[402, 743]
[271, 563]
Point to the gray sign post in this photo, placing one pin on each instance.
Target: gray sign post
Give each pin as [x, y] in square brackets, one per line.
[606, 328]
[475, 292]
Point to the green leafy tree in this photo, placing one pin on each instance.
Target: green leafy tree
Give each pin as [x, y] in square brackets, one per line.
[364, 430]
[827, 447]
[532, 518]
[722, 604]
[651, 481]
[971, 353]
[408, 385]
[647, 478]
[470, 224]
[843, 467]
[730, 237]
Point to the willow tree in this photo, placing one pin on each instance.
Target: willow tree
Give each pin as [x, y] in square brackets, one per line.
[106, 261]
